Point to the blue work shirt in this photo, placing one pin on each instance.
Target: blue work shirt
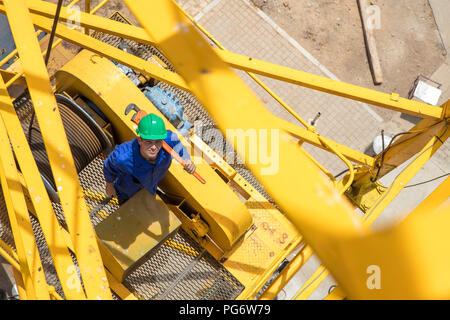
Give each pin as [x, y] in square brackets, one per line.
[129, 171]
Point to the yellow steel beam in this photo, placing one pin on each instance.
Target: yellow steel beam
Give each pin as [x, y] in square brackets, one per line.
[312, 81]
[39, 197]
[318, 141]
[311, 284]
[408, 173]
[90, 21]
[158, 73]
[349, 180]
[324, 218]
[270, 226]
[409, 144]
[119, 288]
[9, 254]
[432, 202]
[251, 65]
[365, 190]
[99, 82]
[336, 294]
[27, 251]
[58, 151]
[38, 33]
[14, 52]
[6, 75]
[113, 53]
[287, 273]
[56, 43]
[18, 275]
[390, 101]
[19, 284]
[320, 213]
[435, 199]
[109, 261]
[260, 280]
[256, 79]
[286, 107]
[319, 165]
[426, 207]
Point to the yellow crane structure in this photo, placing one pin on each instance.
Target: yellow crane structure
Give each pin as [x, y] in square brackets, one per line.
[225, 239]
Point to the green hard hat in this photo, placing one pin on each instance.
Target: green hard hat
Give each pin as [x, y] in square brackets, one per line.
[151, 127]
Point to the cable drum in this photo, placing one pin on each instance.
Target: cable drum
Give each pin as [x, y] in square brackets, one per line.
[83, 142]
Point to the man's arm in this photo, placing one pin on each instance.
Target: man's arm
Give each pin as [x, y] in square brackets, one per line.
[111, 171]
[179, 148]
[175, 143]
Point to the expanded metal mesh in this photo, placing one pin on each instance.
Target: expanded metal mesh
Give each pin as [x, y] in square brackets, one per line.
[178, 269]
[181, 270]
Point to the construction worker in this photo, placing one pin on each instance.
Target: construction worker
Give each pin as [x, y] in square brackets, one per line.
[142, 162]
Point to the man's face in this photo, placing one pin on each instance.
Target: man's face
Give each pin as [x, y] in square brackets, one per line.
[149, 148]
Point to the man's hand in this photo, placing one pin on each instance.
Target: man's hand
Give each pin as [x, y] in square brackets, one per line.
[110, 190]
[189, 166]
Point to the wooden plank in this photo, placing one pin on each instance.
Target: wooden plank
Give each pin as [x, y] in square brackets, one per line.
[371, 46]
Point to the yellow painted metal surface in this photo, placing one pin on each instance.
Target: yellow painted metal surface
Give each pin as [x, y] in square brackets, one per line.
[410, 144]
[172, 78]
[203, 71]
[264, 248]
[39, 198]
[27, 251]
[435, 199]
[251, 234]
[373, 198]
[366, 195]
[267, 243]
[102, 82]
[141, 224]
[332, 232]
[402, 179]
[311, 284]
[58, 150]
[287, 273]
[336, 294]
[249, 64]
[379, 200]
[89, 21]
[324, 84]
[119, 288]
[434, 202]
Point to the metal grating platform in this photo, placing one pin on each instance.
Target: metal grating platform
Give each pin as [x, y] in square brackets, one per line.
[178, 269]
[181, 270]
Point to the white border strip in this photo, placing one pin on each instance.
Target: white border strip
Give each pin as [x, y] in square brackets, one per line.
[206, 9]
[296, 45]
